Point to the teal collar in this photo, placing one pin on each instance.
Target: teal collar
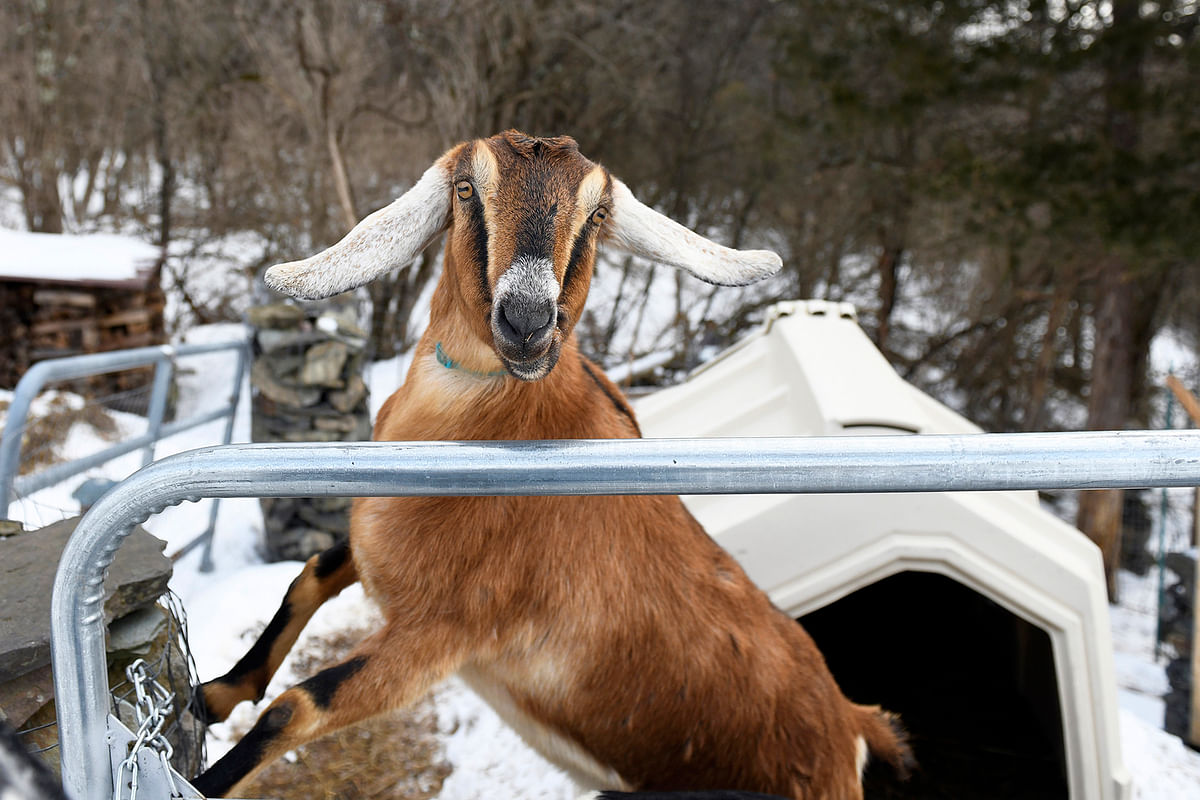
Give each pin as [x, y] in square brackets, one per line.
[449, 363]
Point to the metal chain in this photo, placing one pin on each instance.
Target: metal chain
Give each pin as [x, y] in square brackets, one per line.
[153, 704]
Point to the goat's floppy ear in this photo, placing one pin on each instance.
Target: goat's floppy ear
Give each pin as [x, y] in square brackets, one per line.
[640, 230]
[390, 237]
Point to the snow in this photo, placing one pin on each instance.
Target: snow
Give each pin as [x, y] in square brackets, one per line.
[382, 378]
[489, 759]
[55, 503]
[1141, 679]
[230, 605]
[69, 257]
[1163, 768]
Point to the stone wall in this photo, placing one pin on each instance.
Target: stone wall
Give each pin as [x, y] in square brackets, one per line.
[138, 627]
[308, 387]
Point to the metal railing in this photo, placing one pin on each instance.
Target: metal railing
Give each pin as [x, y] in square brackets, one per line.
[931, 463]
[163, 358]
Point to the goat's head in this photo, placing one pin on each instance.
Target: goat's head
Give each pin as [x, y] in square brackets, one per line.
[525, 216]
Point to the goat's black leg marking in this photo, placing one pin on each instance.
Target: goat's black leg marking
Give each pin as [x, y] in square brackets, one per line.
[322, 686]
[323, 577]
[331, 560]
[246, 755]
[368, 683]
[251, 673]
[270, 733]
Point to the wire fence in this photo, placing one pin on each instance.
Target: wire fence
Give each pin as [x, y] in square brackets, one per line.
[56, 411]
[169, 662]
[1177, 557]
[174, 668]
[1159, 530]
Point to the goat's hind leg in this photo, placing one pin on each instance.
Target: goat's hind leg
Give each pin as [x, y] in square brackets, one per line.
[324, 576]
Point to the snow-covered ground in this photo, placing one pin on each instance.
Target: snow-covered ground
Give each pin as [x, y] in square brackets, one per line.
[229, 605]
[1161, 765]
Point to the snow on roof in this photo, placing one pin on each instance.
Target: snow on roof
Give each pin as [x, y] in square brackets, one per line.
[105, 259]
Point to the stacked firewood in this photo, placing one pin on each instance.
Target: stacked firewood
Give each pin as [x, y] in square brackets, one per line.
[49, 321]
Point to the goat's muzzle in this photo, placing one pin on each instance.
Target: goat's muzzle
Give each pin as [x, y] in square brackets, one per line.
[524, 331]
[525, 318]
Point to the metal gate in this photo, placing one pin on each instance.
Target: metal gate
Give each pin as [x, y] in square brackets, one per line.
[932, 463]
[61, 369]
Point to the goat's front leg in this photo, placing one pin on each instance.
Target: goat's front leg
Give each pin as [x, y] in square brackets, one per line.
[387, 671]
[323, 577]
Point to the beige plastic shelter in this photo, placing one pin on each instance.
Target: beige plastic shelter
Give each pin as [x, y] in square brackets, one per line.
[980, 617]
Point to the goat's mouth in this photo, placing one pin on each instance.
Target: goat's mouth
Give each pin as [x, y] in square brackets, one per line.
[526, 336]
[532, 368]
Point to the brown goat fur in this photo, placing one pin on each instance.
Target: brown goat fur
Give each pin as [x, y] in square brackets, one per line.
[612, 632]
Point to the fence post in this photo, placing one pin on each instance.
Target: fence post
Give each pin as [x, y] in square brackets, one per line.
[14, 431]
[163, 371]
[1162, 552]
[1192, 406]
[239, 374]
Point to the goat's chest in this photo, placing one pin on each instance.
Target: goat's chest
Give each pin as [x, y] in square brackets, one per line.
[483, 560]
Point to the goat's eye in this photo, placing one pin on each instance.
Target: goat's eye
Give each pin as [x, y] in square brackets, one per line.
[599, 215]
[465, 190]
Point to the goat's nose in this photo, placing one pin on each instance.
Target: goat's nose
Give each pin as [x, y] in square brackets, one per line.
[525, 321]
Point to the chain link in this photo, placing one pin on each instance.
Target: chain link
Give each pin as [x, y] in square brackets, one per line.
[152, 705]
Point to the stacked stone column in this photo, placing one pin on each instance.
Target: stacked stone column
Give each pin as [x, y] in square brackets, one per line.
[308, 387]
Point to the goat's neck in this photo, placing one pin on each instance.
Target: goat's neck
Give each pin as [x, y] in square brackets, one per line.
[463, 335]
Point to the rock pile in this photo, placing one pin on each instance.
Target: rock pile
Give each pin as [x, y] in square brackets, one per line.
[138, 627]
[307, 377]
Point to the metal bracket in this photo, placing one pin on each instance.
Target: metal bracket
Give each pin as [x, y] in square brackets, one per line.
[153, 781]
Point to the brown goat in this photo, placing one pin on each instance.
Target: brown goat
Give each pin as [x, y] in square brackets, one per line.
[611, 632]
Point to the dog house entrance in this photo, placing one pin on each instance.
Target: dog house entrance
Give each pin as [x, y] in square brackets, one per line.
[973, 683]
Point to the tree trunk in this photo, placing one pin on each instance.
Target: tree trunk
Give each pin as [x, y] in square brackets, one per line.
[412, 283]
[1043, 371]
[341, 180]
[42, 204]
[393, 298]
[889, 284]
[1109, 405]
[1114, 355]
[381, 344]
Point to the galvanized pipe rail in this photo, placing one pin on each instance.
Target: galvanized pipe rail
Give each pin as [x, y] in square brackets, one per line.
[978, 462]
[63, 369]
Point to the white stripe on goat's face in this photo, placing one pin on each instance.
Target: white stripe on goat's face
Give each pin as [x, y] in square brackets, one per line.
[525, 316]
[526, 218]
